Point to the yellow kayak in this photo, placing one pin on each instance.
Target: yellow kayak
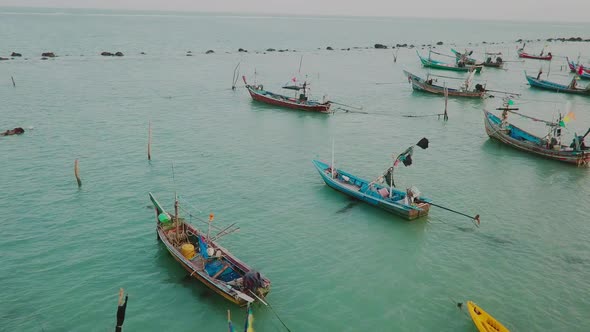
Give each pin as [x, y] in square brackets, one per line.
[484, 321]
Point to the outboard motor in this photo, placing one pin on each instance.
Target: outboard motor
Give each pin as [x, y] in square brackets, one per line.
[479, 88]
[253, 280]
[499, 60]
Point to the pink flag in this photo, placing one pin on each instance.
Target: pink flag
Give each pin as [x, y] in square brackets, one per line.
[580, 70]
[294, 79]
[396, 162]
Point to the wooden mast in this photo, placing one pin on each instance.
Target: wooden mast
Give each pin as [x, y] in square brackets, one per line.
[176, 217]
[332, 173]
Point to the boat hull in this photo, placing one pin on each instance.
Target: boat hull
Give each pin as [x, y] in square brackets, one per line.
[419, 84]
[484, 321]
[407, 212]
[493, 64]
[445, 66]
[534, 57]
[494, 130]
[197, 274]
[286, 102]
[229, 293]
[555, 87]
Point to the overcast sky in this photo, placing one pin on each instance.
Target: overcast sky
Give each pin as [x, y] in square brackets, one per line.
[551, 10]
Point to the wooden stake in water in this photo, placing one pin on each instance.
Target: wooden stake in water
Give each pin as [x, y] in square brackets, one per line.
[446, 116]
[13, 84]
[150, 141]
[77, 173]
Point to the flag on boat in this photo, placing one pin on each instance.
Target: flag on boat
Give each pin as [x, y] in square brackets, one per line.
[294, 79]
[406, 156]
[423, 143]
[580, 70]
[249, 321]
[567, 118]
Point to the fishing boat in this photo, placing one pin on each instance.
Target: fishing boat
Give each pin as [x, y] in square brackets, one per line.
[200, 255]
[548, 147]
[493, 63]
[464, 57]
[427, 85]
[409, 204]
[258, 93]
[524, 55]
[484, 321]
[428, 62]
[389, 199]
[581, 71]
[575, 67]
[556, 87]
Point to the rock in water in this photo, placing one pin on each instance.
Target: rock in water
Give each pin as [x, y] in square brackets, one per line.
[209, 52]
[439, 43]
[380, 46]
[106, 54]
[15, 54]
[119, 54]
[48, 54]
[329, 48]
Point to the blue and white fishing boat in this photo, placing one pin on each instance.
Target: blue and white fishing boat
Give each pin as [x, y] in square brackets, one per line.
[556, 87]
[409, 205]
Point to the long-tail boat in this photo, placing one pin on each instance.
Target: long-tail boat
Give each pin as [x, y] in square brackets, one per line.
[464, 57]
[493, 63]
[575, 67]
[556, 87]
[301, 103]
[427, 85]
[207, 261]
[427, 62]
[408, 205]
[524, 55]
[548, 147]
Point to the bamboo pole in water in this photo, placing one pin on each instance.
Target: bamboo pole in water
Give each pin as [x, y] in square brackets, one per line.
[13, 84]
[77, 173]
[149, 141]
[446, 116]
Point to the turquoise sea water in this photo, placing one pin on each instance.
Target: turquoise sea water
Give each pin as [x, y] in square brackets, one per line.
[335, 264]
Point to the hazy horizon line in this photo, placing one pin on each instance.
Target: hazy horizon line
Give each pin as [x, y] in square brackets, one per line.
[263, 14]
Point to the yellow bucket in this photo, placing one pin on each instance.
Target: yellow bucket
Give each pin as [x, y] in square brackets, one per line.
[188, 250]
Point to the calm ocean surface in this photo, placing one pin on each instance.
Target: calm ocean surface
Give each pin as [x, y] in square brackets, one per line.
[335, 264]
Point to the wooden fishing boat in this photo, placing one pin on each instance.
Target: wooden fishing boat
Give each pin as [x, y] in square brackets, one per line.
[373, 193]
[207, 261]
[484, 321]
[463, 57]
[446, 66]
[302, 103]
[524, 141]
[493, 63]
[556, 87]
[524, 55]
[574, 67]
[426, 85]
